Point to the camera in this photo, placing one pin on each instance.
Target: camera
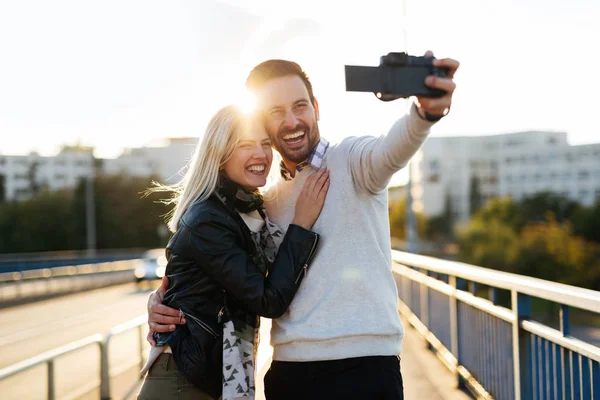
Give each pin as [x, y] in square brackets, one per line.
[398, 75]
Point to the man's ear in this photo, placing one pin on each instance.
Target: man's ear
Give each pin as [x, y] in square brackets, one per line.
[316, 106]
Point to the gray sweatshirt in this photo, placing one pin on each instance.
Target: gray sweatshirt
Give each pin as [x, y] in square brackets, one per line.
[347, 306]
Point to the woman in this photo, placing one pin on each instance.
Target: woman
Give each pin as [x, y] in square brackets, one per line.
[225, 269]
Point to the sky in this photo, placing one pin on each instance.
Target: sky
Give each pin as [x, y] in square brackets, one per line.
[123, 73]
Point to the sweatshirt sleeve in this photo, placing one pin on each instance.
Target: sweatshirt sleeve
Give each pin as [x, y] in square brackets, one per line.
[373, 161]
[216, 248]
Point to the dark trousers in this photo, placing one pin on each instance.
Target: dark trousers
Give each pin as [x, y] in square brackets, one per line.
[369, 378]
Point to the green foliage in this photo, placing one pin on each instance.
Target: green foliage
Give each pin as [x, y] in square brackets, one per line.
[397, 213]
[535, 238]
[475, 199]
[57, 220]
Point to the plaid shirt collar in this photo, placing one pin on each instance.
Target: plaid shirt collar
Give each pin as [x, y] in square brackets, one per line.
[315, 159]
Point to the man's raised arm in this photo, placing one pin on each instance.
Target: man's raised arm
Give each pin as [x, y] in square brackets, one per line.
[373, 161]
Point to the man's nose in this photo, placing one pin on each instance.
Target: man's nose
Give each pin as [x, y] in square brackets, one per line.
[290, 120]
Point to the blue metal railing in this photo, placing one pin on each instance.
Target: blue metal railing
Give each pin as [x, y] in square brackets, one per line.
[20, 262]
[499, 351]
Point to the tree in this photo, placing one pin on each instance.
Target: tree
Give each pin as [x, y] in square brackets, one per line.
[2, 188]
[56, 220]
[441, 228]
[397, 214]
[490, 244]
[549, 250]
[508, 236]
[586, 222]
[536, 207]
[34, 186]
[475, 199]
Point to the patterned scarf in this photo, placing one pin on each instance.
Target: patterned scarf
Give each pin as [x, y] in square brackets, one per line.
[240, 330]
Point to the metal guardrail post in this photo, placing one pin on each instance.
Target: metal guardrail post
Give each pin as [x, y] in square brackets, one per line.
[424, 300]
[104, 370]
[452, 280]
[521, 307]
[141, 339]
[51, 387]
[493, 295]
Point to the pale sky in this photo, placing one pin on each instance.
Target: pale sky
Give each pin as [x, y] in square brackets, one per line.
[120, 73]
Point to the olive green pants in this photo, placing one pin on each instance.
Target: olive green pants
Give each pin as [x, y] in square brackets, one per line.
[165, 382]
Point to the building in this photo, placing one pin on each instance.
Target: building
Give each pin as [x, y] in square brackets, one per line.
[165, 160]
[451, 169]
[22, 176]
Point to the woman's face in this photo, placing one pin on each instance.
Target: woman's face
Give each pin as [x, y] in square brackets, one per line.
[250, 162]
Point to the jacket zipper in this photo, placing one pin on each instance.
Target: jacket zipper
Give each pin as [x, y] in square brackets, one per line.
[202, 324]
[310, 257]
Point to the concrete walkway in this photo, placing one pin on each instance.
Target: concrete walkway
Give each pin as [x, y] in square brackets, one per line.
[425, 377]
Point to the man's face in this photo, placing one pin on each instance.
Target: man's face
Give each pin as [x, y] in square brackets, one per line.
[290, 117]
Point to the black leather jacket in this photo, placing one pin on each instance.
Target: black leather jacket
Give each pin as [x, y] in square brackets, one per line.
[212, 254]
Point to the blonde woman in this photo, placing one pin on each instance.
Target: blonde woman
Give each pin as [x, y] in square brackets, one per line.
[228, 264]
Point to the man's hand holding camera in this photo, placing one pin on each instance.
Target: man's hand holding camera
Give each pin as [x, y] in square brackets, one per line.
[434, 108]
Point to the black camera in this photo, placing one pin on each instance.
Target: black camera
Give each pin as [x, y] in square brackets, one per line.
[397, 76]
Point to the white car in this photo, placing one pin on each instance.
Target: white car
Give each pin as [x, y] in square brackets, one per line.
[151, 266]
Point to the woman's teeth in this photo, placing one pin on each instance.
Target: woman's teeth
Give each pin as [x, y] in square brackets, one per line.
[256, 168]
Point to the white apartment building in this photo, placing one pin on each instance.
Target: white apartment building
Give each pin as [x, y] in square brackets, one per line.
[17, 173]
[514, 164]
[165, 160]
[20, 176]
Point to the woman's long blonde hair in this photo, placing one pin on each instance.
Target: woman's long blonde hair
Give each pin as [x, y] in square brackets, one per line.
[220, 139]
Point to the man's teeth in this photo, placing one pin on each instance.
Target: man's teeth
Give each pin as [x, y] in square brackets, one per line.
[256, 168]
[293, 135]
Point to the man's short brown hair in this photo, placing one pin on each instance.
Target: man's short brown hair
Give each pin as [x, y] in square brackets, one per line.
[271, 69]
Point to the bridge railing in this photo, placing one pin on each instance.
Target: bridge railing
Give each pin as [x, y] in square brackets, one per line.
[498, 351]
[108, 371]
[31, 285]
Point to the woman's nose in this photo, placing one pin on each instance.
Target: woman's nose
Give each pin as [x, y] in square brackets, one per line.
[259, 152]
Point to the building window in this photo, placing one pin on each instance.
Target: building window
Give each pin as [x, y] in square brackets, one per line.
[59, 177]
[434, 164]
[583, 175]
[2, 161]
[435, 178]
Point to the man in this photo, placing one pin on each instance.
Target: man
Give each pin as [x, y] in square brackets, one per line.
[341, 336]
